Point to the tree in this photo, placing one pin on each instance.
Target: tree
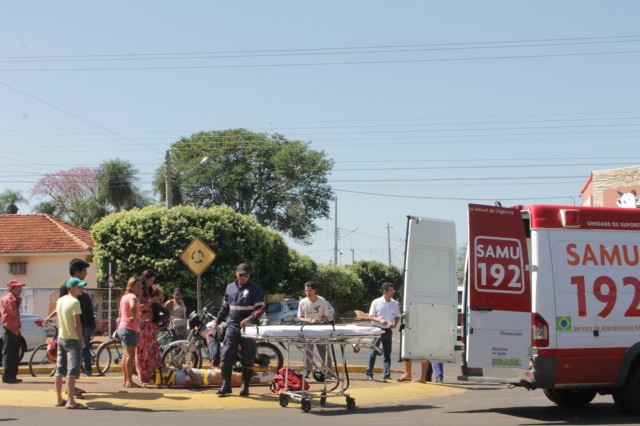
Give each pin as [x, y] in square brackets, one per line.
[116, 183]
[66, 188]
[373, 274]
[282, 183]
[301, 269]
[9, 199]
[156, 237]
[83, 196]
[340, 286]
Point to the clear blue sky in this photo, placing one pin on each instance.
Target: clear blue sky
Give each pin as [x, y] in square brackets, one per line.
[425, 106]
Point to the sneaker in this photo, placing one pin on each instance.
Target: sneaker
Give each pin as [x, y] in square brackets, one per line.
[438, 380]
[369, 378]
[386, 378]
[12, 381]
[306, 374]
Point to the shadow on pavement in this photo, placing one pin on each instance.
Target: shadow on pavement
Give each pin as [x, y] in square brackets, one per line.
[340, 409]
[599, 413]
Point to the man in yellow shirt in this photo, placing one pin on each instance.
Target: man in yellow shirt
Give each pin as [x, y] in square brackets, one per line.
[69, 343]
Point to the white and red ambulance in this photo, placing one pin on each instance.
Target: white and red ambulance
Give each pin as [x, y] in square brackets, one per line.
[552, 299]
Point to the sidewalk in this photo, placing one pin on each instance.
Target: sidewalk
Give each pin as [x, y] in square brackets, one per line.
[107, 393]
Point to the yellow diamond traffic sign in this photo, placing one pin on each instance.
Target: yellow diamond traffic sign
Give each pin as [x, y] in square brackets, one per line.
[197, 256]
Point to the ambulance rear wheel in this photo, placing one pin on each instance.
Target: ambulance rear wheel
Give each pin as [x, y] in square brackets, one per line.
[284, 401]
[627, 397]
[570, 397]
[306, 405]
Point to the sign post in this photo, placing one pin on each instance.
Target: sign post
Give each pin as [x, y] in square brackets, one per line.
[110, 266]
[197, 256]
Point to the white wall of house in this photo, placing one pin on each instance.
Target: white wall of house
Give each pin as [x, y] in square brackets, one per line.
[44, 270]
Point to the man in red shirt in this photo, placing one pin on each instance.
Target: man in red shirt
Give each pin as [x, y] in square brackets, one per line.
[10, 312]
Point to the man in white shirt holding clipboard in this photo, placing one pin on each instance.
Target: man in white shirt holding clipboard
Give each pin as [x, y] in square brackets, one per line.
[384, 313]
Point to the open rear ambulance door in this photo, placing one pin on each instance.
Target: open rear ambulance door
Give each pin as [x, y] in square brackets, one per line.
[430, 296]
[498, 333]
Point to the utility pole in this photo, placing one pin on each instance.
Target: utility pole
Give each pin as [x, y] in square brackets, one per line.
[335, 234]
[389, 241]
[353, 256]
[167, 180]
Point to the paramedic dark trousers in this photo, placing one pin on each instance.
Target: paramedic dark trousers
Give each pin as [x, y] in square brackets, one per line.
[229, 350]
[385, 339]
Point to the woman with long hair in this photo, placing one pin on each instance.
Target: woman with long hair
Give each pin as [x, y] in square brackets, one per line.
[178, 313]
[129, 314]
[147, 352]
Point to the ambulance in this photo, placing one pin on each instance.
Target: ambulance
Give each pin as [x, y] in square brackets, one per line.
[551, 299]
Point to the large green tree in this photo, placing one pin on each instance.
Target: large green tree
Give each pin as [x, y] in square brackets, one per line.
[156, 237]
[282, 183]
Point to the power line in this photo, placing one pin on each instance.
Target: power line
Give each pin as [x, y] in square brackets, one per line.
[315, 64]
[455, 198]
[49, 104]
[508, 44]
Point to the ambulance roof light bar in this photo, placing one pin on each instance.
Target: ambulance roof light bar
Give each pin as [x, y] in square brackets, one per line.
[570, 218]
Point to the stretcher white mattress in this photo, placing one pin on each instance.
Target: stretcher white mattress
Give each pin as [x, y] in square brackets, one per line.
[313, 331]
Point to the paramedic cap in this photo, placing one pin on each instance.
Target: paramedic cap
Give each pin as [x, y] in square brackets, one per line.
[75, 282]
[15, 283]
[243, 268]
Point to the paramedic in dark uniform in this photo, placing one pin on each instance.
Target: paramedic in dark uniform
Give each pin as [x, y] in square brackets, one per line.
[243, 304]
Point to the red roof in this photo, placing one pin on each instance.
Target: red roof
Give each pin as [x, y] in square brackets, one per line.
[41, 233]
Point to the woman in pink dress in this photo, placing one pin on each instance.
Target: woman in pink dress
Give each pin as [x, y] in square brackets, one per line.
[147, 352]
[129, 314]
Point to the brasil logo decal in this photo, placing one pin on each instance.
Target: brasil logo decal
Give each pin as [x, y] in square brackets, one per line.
[563, 323]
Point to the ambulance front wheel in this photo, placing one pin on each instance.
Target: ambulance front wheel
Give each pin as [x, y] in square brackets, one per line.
[570, 397]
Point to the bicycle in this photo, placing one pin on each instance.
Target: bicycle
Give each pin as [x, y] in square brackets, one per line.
[110, 351]
[44, 358]
[190, 352]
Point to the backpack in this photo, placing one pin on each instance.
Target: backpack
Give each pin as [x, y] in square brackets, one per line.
[294, 382]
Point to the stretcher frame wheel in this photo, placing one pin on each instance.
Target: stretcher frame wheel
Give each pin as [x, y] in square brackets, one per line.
[323, 399]
[351, 403]
[306, 405]
[283, 400]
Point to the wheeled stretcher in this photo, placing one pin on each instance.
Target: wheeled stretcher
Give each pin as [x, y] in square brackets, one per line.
[335, 381]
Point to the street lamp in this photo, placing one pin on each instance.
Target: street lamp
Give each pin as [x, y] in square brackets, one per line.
[169, 177]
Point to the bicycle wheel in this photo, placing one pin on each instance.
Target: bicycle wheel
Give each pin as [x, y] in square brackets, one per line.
[104, 356]
[268, 358]
[94, 345]
[40, 363]
[178, 356]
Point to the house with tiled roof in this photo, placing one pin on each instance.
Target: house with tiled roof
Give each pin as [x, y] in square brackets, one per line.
[36, 249]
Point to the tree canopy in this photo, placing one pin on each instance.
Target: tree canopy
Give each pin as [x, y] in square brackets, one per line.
[83, 195]
[116, 183]
[156, 237]
[280, 182]
[373, 274]
[9, 199]
[341, 287]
